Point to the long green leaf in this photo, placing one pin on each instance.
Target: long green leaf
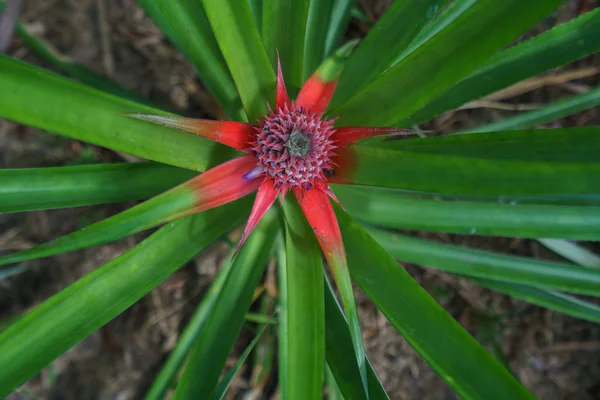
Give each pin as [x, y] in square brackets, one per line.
[186, 25]
[283, 331]
[317, 23]
[556, 110]
[388, 38]
[80, 309]
[242, 47]
[564, 44]
[338, 265]
[572, 252]
[488, 265]
[176, 359]
[225, 319]
[224, 384]
[283, 32]
[47, 101]
[256, 10]
[340, 18]
[549, 145]
[442, 61]
[340, 354]
[551, 299]
[59, 187]
[466, 175]
[336, 258]
[333, 391]
[390, 210]
[305, 308]
[458, 358]
[440, 19]
[263, 360]
[171, 205]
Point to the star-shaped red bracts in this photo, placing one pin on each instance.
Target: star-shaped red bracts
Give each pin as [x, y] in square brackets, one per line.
[293, 148]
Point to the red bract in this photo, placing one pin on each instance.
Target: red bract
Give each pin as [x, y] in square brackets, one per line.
[292, 148]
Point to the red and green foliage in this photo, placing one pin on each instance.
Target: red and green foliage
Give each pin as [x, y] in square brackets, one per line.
[421, 59]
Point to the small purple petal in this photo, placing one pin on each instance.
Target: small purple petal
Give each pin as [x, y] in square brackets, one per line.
[253, 173]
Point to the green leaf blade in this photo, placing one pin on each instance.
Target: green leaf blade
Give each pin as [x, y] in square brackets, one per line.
[550, 299]
[59, 187]
[552, 112]
[458, 359]
[317, 23]
[340, 18]
[283, 32]
[561, 145]
[572, 252]
[388, 38]
[564, 44]
[241, 45]
[442, 17]
[256, 7]
[283, 331]
[177, 358]
[263, 358]
[80, 309]
[224, 384]
[340, 356]
[442, 61]
[160, 209]
[305, 353]
[47, 101]
[489, 265]
[186, 25]
[467, 176]
[391, 210]
[225, 320]
[333, 391]
[173, 204]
